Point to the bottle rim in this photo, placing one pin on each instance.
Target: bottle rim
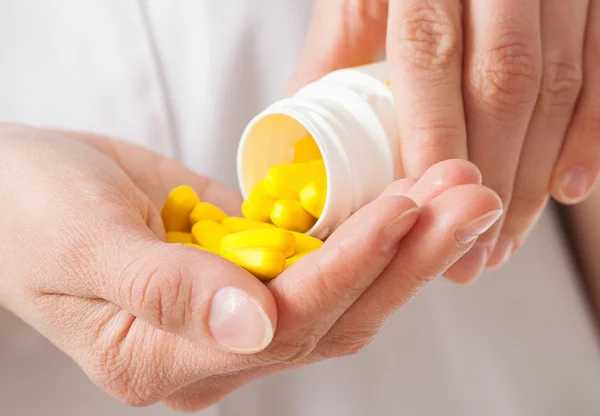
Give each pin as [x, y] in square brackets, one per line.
[310, 117]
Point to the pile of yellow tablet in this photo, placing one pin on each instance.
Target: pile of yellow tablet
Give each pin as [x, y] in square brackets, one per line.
[279, 209]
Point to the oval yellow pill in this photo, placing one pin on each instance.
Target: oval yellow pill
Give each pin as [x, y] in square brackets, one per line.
[289, 214]
[179, 237]
[177, 208]
[306, 243]
[306, 150]
[312, 198]
[286, 181]
[264, 263]
[259, 204]
[206, 211]
[252, 211]
[274, 238]
[208, 234]
[237, 224]
[295, 258]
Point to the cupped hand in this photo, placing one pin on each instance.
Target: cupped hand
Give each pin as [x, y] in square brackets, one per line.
[511, 85]
[85, 263]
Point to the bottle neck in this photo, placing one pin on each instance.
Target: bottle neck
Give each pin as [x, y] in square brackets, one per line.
[353, 143]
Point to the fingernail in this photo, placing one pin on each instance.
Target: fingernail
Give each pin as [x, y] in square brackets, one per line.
[400, 226]
[574, 184]
[238, 323]
[502, 252]
[469, 233]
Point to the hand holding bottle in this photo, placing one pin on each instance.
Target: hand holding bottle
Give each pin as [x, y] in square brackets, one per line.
[510, 85]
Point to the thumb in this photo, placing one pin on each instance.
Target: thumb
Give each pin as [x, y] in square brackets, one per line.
[342, 34]
[191, 293]
[76, 225]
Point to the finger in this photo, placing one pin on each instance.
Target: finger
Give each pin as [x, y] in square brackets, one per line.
[424, 48]
[318, 289]
[437, 179]
[445, 230]
[312, 294]
[576, 170]
[94, 245]
[440, 177]
[178, 289]
[563, 26]
[501, 84]
[196, 295]
[171, 287]
[342, 34]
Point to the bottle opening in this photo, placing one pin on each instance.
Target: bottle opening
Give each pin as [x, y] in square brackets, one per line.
[268, 141]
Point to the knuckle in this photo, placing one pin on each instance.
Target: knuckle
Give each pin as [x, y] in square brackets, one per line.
[160, 294]
[507, 77]
[435, 136]
[414, 279]
[428, 38]
[561, 83]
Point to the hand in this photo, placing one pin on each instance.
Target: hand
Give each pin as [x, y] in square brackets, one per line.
[511, 84]
[84, 262]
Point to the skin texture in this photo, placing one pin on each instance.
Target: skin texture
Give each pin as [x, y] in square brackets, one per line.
[84, 263]
[511, 85]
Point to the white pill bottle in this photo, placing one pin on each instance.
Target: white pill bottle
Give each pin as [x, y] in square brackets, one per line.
[350, 115]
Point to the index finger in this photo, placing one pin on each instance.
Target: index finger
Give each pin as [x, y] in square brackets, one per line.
[315, 292]
[424, 48]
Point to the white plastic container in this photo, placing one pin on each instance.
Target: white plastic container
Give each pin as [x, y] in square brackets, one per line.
[350, 115]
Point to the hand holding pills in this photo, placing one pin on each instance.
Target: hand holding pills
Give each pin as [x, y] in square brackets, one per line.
[86, 262]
